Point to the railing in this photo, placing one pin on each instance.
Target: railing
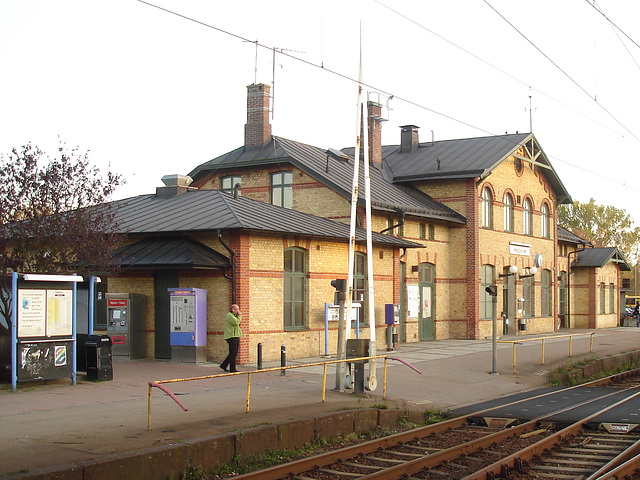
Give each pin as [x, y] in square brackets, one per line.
[159, 384]
[570, 335]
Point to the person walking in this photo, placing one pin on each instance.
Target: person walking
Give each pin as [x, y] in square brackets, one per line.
[636, 313]
[232, 334]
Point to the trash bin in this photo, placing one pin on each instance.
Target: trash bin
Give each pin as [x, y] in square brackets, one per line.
[99, 359]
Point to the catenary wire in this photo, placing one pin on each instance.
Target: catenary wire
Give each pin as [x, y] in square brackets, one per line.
[353, 80]
[504, 72]
[580, 87]
[615, 29]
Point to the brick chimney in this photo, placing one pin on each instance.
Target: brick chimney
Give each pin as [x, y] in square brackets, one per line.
[257, 131]
[374, 111]
[409, 139]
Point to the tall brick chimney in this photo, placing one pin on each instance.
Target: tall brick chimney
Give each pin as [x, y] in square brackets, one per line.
[257, 131]
[409, 138]
[374, 111]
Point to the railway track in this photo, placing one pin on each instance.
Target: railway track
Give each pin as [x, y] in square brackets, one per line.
[461, 449]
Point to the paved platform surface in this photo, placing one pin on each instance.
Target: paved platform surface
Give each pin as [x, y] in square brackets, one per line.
[57, 423]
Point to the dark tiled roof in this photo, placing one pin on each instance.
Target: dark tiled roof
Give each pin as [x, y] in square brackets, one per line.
[599, 257]
[212, 210]
[169, 252]
[565, 235]
[336, 174]
[465, 158]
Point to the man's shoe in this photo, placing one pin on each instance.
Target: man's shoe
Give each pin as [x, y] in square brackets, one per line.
[223, 368]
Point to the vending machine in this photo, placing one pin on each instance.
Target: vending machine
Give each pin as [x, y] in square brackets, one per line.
[126, 324]
[188, 318]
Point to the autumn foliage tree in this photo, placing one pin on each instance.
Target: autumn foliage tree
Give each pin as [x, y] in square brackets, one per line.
[53, 215]
[602, 225]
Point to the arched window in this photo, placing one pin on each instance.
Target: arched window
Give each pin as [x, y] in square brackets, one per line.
[545, 221]
[508, 212]
[527, 217]
[528, 291]
[295, 288]
[487, 305]
[487, 208]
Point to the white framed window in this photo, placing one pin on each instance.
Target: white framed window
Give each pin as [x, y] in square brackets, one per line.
[282, 189]
[527, 217]
[487, 208]
[508, 212]
[545, 221]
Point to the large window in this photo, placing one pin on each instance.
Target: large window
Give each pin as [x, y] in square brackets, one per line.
[227, 184]
[487, 305]
[282, 189]
[508, 212]
[545, 293]
[529, 298]
[527, 217]
[545, 221]
[603, 296]
[295, 288]
[612, 298]
[487, 208]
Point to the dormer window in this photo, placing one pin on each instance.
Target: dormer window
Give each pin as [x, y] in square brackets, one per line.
[282, 189]
[227, 184]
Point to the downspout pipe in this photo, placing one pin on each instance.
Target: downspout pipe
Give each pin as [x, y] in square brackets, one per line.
[232, 266]
[401, 222]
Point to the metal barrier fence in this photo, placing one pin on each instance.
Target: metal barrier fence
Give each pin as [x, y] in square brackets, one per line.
[570, 335]
[160, 383]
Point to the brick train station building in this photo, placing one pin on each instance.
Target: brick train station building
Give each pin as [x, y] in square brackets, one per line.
[266, 226]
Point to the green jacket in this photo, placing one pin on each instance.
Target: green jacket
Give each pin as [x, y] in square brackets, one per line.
[232, 326]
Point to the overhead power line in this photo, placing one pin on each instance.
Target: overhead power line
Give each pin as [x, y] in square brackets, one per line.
[592, 97]
[489, 64]
[354, 80]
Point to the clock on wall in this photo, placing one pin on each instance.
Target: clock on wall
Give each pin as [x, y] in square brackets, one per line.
[538, 260]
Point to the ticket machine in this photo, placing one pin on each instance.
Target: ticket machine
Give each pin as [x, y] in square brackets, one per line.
[126, 324]
[188, 319]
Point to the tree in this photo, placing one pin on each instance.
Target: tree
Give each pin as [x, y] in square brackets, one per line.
[53, 215]
[602, 225]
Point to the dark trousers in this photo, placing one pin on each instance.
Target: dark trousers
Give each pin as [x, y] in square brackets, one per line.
[230, 361]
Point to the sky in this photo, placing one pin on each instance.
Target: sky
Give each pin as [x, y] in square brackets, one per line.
[159, 87]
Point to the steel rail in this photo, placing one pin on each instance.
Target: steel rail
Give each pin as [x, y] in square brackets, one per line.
[414, 466]
[623, 471]
[619, 465]
[540, 447]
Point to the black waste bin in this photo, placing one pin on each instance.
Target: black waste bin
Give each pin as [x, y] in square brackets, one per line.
[99, 360]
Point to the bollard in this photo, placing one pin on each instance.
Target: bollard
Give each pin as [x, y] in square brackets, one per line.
[283, 359]
[259, 356]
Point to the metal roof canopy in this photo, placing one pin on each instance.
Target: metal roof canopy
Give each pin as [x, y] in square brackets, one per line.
[169, 252]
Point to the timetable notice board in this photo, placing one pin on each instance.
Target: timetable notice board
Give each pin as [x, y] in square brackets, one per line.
[44, 313]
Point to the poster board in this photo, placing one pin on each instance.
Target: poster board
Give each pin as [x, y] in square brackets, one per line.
[32, 313]
[45, 313]
[45, 360]
[413, 301]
